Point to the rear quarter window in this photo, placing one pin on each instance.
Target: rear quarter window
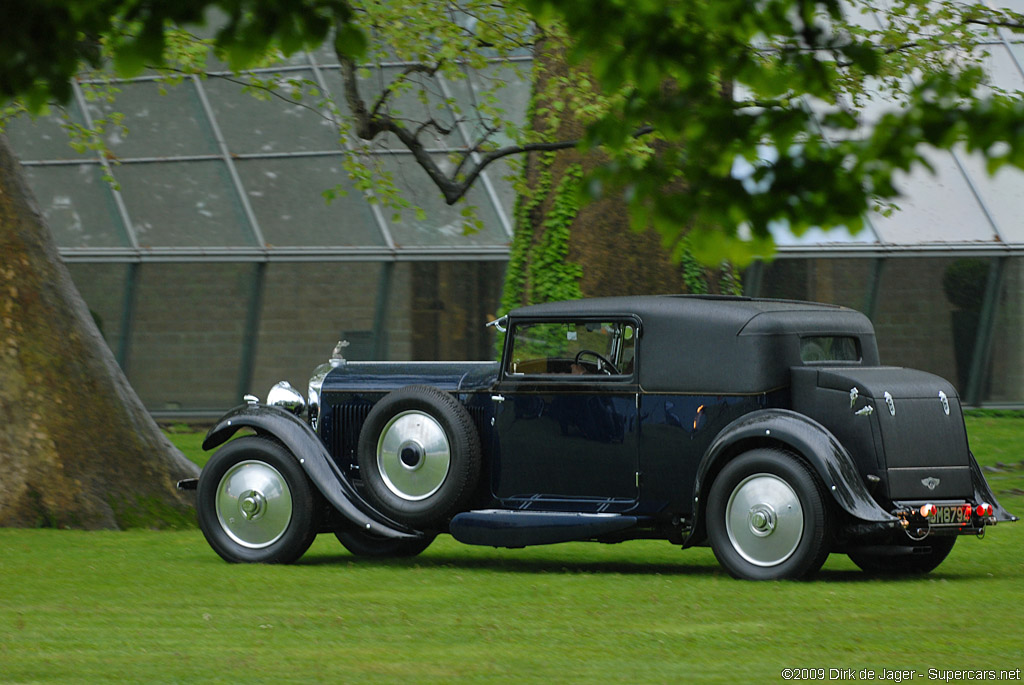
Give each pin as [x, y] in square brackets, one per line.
[829, 348]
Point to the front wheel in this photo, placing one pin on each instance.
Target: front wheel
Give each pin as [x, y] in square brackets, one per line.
[767, 517]
[255, 503]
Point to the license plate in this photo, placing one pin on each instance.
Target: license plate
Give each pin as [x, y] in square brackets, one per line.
[950, 515]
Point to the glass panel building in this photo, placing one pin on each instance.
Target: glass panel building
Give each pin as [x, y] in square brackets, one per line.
[215, 267]
[208, 254]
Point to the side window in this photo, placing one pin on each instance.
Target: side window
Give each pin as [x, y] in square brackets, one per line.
[586, 348]
[829, 348]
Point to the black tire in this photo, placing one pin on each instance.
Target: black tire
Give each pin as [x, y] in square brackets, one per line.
[419, 456]
[363, 544]
[255, 503]
[768, 517]
[922, 556]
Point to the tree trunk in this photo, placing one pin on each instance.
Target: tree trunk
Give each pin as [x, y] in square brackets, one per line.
[77, 448]
[599, 254]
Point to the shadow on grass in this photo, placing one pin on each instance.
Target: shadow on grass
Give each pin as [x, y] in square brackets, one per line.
[513, 565]
[630, 568]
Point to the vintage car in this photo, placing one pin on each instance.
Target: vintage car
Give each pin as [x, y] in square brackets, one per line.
[766, 429]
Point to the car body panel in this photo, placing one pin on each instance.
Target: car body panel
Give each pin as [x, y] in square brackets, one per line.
[310, 451]
[578, 448]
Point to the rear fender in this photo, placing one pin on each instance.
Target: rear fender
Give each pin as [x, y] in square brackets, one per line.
[983, 493]
[312, 455]
[802, 435]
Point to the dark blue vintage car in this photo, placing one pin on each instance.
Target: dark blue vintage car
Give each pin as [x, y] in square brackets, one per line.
[766, 429]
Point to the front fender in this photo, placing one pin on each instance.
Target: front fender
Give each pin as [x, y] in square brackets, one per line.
[806, 437]
[312, 455]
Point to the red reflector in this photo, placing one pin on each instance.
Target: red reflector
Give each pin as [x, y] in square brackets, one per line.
[984, 509]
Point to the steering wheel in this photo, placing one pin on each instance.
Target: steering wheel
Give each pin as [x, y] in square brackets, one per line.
[604, 363]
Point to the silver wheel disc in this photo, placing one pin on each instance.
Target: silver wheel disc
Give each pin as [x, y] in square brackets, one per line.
[764, 519]
[254, 504]
[413, 455]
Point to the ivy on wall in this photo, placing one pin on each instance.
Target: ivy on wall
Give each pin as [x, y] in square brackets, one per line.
[539, 269]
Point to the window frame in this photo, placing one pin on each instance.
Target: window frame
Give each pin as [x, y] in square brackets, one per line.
[803, 338]
[568, 378]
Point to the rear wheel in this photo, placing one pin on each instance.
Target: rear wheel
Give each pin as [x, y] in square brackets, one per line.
[255, 504]
[363, 544]
[915, 557]
[767, 517]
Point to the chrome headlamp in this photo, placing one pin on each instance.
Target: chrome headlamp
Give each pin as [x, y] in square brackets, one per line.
[285, 396]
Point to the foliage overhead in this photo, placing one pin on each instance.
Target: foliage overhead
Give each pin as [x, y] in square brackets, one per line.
[730, 80]
[43, 45]
[719, 118]
[418, 41]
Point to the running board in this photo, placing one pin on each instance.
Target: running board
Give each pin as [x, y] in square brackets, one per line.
[504, 528]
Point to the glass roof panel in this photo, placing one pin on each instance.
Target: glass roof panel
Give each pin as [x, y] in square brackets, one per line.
[838, 235]
[183, 204]
[442, 224]
[286, 194]
[253, 125]
[158, 125]
[78, 205]
[1003, 195]
[1003, 70]
[420, 101]
[44, 137]
[934, 208]
[511, 85]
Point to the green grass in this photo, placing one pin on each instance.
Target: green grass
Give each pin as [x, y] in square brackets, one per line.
[190, 441]
[147, 606]
[996, 443]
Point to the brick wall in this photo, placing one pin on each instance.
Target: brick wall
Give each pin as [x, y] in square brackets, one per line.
[188, 329]
[187, 347]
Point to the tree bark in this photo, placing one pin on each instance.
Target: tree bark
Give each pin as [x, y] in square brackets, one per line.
[614, 258]
[77, 448]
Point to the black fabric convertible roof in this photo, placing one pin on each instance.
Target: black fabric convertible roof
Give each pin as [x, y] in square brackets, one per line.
[716, 344]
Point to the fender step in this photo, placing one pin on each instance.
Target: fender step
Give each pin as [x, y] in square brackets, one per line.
[503, 528]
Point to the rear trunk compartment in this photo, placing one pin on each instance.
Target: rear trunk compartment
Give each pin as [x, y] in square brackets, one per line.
[901, 425]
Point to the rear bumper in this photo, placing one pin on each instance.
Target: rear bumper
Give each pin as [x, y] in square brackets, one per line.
[919, 519]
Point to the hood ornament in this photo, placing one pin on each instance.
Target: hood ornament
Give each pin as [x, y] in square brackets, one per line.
[338, 354]
[930, 482]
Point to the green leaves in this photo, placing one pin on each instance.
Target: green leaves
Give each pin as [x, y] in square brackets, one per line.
[779, 85]
[43, 45]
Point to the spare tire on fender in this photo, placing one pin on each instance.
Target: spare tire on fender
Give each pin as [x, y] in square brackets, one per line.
[419, 456]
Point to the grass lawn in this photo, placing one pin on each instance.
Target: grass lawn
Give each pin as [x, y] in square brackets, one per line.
[162, 607]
